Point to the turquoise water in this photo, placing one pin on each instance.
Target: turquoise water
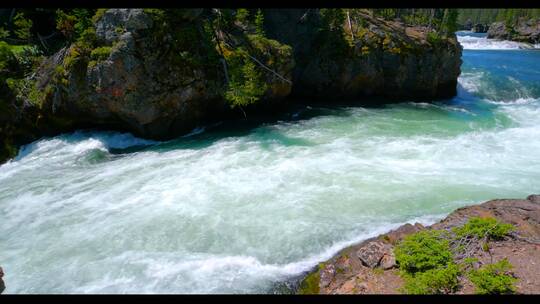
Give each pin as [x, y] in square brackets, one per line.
[236, 208]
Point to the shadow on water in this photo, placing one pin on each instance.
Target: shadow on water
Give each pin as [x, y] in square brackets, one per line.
[258, 127]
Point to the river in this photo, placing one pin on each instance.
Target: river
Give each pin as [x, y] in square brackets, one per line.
[237, 209]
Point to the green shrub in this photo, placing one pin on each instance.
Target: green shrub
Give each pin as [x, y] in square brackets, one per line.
[423, 251]
[3, 33]
[483, 227]
[101, 53]
[242, 15]
[310, 284]
[246, 84]
[6, 55]
[441, 280]
[259, 23]
[23, 26]
[433, 38]
[493, 278]
[99, 13]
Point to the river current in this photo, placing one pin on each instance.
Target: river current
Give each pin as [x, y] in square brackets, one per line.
[237, 210]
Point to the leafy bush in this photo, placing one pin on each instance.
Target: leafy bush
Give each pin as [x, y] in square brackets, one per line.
[493, 278]
[246, 84]
[101, 53]
[433, 38]
[423, 251]
[29, 57]
[6, 55]
[441, 280]
[242, 15]
[483, 227]
[72, 23]
[23, 26]
[3, 33]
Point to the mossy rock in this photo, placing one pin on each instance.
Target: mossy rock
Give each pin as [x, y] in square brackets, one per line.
[310, 284]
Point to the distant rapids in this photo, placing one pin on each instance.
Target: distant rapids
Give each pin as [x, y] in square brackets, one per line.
[237, 209]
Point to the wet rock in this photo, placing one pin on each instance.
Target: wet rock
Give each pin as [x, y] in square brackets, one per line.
[534, 198]
[398, 234]
[2, 284]
[376, 253]
[479, 28]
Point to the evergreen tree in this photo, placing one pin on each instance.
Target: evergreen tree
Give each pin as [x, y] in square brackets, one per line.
[23, 26]
[259, 23]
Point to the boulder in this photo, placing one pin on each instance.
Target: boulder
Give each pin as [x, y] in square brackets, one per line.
[2, 284]
[327, 275]
[376, 253]
[479, 28]
[535, 198]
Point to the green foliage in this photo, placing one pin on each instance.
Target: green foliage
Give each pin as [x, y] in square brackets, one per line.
[483, 227]
[29, 58]
[434, 38]
[88, 38]
[427, 263]
[333, 18]
[72, 24]
[65, 23]
[259, 23]
[242, 15]
[442, 280]
[310, 284]
[101, 53]
[493, 278]
[99, 13]
[6, 55]
[450, 20]
[246, 84]
[3, 33]
[23, 26]
[486, 16]
[423, 251]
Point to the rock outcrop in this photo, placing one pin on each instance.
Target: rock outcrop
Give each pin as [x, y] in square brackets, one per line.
[362, 269]
[526, 30]
[161, 73]
[381, 59]
[480, 28]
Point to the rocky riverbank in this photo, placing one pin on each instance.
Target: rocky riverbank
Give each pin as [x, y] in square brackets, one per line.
[371, 266]
[161, 73]
[525, 30]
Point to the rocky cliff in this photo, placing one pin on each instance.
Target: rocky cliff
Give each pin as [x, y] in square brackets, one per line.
[525, 30]
[371, 267]
[161, 73]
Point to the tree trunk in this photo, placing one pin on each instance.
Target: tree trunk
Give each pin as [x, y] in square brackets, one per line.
[350, 26]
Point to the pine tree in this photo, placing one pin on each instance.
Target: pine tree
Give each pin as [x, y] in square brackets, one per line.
[259, 23]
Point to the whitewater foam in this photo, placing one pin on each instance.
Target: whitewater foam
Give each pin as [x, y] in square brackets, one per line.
[483, 43]
[238, 213]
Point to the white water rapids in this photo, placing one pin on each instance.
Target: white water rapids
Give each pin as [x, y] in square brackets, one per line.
[104, 212]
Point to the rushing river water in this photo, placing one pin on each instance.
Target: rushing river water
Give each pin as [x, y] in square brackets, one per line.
[237, 210]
